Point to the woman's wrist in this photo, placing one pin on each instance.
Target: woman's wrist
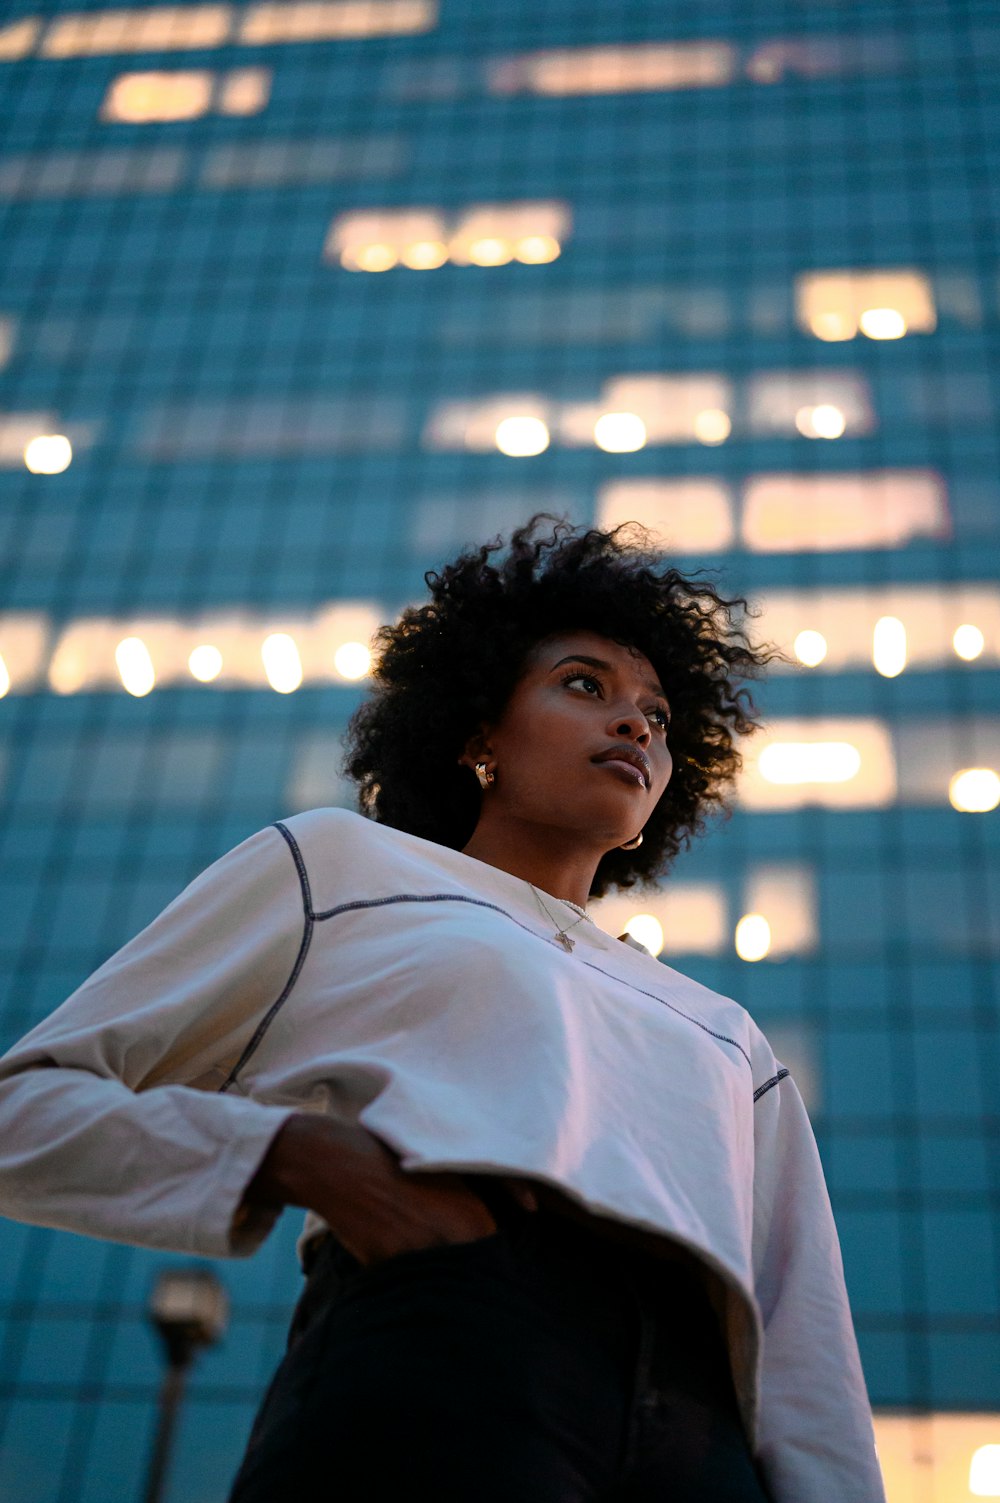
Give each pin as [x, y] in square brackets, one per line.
[287, 1174]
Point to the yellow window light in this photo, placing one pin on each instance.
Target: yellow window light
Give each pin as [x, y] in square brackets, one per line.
[884, 304]
[832, 325]
[142, 98]
[490, 251]
[521, 437]
[823, 421]
[809, 762]
[882, 323]
[424, 255]
[648, 930]
[974, 790]
[4, 678]
[753, 937]
[620, 432]
[537, 250]
[968, 642]
[244, 91]
[48, 454]
[377, 257]
[282, 663]
[889, 646]
[153, 28]
[712, 426]
[810, 647]
[984, 1472]
[135, 666]
[352, 660]
[331, 20]
[205, 663]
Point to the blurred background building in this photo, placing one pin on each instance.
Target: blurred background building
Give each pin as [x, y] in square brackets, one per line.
[299, 296]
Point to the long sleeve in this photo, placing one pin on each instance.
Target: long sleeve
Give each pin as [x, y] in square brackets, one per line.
[815, 1439]
[101, 1131]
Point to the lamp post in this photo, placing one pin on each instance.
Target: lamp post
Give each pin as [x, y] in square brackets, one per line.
[188, 1307]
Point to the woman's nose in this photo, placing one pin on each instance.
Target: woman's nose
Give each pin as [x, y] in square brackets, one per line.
[632, 723]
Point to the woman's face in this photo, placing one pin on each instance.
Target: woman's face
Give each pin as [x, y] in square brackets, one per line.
[582, 742]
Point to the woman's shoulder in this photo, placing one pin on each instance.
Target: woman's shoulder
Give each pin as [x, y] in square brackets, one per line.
[342, 855]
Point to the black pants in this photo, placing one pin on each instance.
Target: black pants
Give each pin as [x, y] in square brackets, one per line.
[541, 1364]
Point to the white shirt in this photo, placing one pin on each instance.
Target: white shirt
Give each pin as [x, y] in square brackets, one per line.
[330, 964]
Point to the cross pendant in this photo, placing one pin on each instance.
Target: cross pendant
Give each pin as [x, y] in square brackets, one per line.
[565, 941]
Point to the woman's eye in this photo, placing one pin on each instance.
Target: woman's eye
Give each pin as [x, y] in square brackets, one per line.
[661, 717]
[583, 678]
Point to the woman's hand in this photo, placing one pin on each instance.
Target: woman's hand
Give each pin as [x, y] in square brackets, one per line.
[374, 1209]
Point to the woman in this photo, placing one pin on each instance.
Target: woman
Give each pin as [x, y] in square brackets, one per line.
[568, 1234]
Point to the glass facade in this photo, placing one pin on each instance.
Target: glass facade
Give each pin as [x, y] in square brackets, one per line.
[297, 298]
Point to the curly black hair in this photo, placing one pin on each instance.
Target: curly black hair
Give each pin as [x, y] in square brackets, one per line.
[448, 667]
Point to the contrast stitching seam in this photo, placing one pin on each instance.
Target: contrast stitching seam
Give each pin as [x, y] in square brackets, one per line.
[454, 897]
[307, 929]
[758, 1093]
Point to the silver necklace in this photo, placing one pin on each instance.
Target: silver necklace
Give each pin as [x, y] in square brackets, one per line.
[561, 936]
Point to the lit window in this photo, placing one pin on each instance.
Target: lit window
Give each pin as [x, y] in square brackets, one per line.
[810, 647]
[536, 250]
[48, 454]
[784, 895]
[424, 255]
[522, 436]
[423, 239]
[687, 516]
[475, 425]
[23, 641]
[615, 70]
[159, 28]
[243, 91]
[205, 663]
[837, 305]
[824, 421]
[143, 97]
[4, 678]
[648, 930]
[135, 666]
[968, 642]
[352, 660]
[691, 915]
[18, 37]
[942, 1457]
[619, 432]
[753, 937]
[671, 407]
[827, 512]
[809, 762]
[327, 20]
[984, 1471]
[835, 763]
[975, 790]
[847, 618]
[713, 426]
[889, 646]
[7, 331]
[282, 663]
[488, 235]
[817, 404]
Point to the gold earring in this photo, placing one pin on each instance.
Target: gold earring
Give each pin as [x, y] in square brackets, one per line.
[632, 845]
[485, 776]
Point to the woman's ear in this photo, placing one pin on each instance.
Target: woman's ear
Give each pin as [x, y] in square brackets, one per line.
[477, 748]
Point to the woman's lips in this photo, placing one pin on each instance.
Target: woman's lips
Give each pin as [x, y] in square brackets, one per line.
[623, 768]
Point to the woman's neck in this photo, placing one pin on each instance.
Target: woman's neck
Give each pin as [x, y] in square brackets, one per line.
[550, 859]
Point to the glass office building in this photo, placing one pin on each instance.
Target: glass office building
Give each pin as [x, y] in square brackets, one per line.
[299, 296]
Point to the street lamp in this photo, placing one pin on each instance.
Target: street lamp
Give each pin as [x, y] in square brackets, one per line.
[188, 1307]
